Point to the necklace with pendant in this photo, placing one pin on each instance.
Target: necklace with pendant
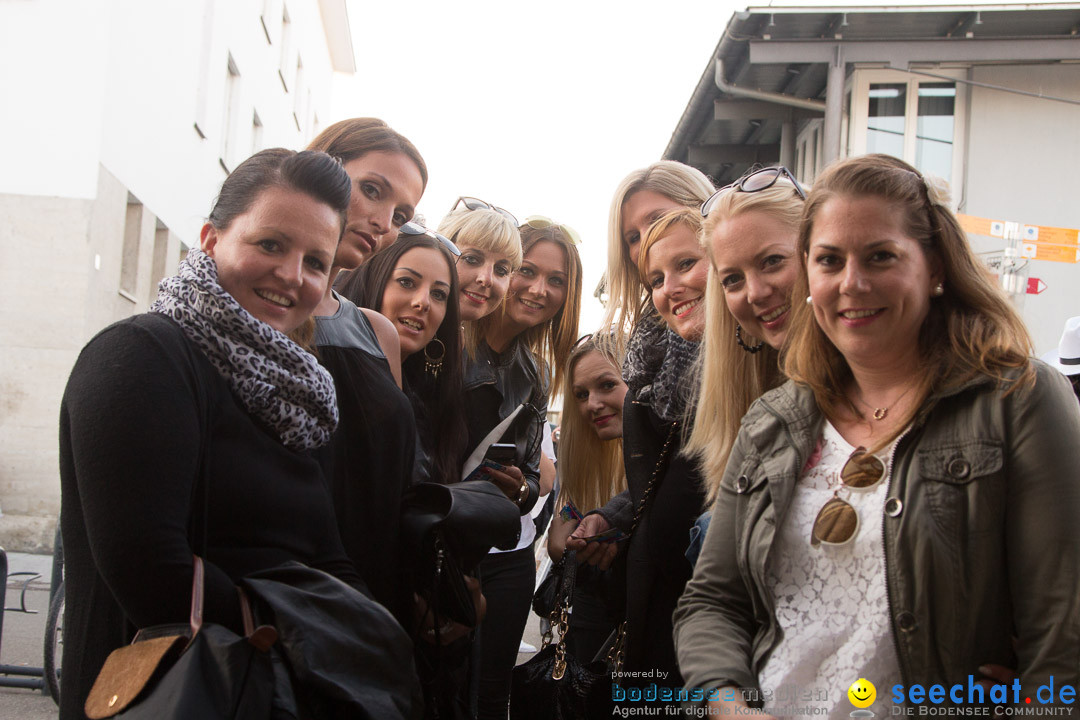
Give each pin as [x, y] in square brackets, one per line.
[880, 413]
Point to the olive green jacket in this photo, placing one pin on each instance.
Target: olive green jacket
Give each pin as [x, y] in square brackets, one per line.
[981, 532]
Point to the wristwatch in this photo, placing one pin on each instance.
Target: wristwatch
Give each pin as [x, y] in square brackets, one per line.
[523, 492]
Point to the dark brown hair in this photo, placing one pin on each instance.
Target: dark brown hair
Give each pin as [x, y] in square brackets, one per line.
[313, 173]
[349, 139]
[440, 414]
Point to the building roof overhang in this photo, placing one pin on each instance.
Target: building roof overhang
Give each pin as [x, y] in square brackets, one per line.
[771, 64]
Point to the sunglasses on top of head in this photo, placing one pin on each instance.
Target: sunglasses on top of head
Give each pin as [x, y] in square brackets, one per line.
[472, 203]
[754, 182]
[540, 222]
[415, 228]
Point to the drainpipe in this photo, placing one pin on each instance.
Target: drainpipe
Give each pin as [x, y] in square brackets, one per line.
[787, 129]
[773, 97]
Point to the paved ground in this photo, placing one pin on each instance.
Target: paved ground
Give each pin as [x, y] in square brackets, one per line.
[22, 640]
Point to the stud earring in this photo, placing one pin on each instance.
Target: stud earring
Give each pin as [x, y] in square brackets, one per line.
[809, 300]
[432, 365]
[748, 348]
[938, 290]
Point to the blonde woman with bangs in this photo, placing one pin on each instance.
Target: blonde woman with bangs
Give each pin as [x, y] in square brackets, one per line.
[903, 509]
[520, 355]
[490, 245]
[590, 474]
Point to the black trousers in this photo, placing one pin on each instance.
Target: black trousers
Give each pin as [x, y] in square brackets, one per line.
[507, 580]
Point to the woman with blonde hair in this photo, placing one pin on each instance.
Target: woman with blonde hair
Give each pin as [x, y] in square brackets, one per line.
[521, 355]
[664, 490]
[749, 235]
[490, 245]
[904, 485]
[590, 474]
[642, 197]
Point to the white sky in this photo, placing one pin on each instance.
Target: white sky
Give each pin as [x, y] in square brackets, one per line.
[541, 108]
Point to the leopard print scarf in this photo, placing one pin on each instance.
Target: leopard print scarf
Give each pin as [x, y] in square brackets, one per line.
[279, 383]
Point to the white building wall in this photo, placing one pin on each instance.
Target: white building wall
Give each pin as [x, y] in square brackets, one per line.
[114, 126]
[1022, 160]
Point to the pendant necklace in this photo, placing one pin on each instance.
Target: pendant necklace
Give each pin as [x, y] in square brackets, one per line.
[880, 413]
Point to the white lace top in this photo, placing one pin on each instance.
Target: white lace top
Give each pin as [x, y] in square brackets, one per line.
[830, 600]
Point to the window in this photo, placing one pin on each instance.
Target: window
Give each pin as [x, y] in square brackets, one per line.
[256, 132]
[158, 269]
[915, 118]
[934, 128]
[285, 66]
[299, 95]
[885, 119]
[229, 113]
[266, 21]
[808, 151]
[129, 258]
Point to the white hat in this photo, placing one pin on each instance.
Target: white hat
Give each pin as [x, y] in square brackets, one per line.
[1067, 356]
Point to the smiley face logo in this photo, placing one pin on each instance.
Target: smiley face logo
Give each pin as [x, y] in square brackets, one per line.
[862, 693]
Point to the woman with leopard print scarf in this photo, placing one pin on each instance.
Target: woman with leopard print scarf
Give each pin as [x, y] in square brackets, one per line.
[188, 429]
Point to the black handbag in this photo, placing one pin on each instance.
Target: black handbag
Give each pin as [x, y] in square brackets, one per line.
[547, 593]
[553, 684]
[199, 670]
[449, 529]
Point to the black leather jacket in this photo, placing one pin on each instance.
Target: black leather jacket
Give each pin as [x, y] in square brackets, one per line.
[496, 384]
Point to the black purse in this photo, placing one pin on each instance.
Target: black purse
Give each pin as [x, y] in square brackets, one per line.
[449, 529]
[199, 670]
[547, 593]
[553, 684]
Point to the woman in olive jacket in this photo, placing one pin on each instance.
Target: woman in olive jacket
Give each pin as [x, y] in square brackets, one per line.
[961, 548]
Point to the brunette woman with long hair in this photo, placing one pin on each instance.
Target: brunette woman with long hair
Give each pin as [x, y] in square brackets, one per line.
[370, 461]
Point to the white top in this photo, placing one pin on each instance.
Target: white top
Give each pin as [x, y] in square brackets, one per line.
[831, 601]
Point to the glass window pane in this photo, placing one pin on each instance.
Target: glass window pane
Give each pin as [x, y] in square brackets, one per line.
[885, 124]
[934, 133]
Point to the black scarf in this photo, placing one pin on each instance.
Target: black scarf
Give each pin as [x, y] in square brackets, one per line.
[659, 367]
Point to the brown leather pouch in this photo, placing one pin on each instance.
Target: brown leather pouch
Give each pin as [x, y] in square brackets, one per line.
[127, 671]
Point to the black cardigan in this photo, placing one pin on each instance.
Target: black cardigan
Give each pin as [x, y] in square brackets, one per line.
[142, 406]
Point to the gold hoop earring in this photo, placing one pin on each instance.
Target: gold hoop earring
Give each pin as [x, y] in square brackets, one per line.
[432, 365]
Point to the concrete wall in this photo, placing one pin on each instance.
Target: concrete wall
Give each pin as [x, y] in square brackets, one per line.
[1022, 160]
[60, 274]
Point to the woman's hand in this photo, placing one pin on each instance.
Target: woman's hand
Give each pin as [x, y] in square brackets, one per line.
[557, 535]
[509, 480]
[600, 554]
[450, 630]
